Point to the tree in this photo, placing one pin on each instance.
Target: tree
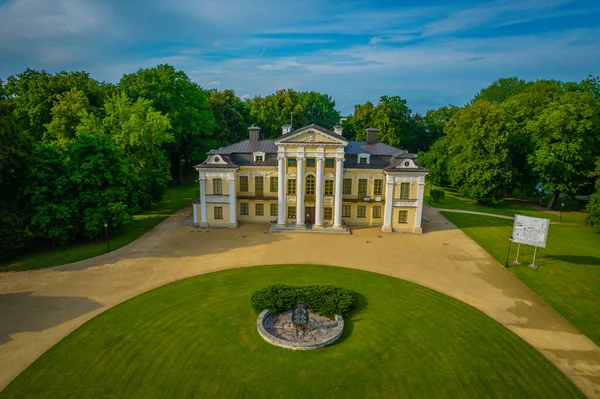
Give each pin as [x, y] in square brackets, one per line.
[53, 201]
[436, 160]
[140, 132]
[501, 89]
[102, 183]
[34, 93]
[566, 142]
[391, 116]
[593, 207]
[273, 111]
[319, 108]
[184, 103]
[66, 114]
[232, 116]
[478, 144]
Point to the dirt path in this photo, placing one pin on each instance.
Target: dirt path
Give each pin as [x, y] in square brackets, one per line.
[38, 308]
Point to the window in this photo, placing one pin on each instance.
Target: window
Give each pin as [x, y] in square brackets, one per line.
[407, 164]
[291, 186]
[244, 183]
[347, 186]
[274, 209]
[310, 162]
[377, 187]
[328, 187]
[346, 211]
[310, 184]
[258, 185]
[403, 217]
[243, 208]
[291, 212]
[362, 187]
[274, 181]
[259, 209]
[218, 212]
[362, 160]
[259, 158]
[362, 211]
[217, 186]
[404, 190]
[329, 163]
[376, 212]
[328, 214]
[291, 161]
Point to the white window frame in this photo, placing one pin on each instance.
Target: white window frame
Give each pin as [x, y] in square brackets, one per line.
[365, 156]
[259, 154]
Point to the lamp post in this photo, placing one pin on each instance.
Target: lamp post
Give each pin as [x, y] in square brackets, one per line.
[562, 205]
[510, 240]
[106, 231]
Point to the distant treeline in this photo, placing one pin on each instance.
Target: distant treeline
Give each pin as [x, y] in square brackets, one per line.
[76, 153]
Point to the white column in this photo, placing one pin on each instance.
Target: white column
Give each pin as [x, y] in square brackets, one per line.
[281, 191]
[300, 192]
[339, 179]
[419, 213]
[319, 192]
[389, 202]
[232, 203]
[203, 203]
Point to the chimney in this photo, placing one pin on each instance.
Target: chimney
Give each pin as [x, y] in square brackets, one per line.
[337, 129]
[371, 135]
[254, 134]
[286, 129]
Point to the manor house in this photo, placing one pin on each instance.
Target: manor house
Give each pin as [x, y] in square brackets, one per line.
[311, 178]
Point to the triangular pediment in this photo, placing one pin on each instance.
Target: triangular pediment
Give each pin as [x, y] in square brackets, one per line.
[311, 135]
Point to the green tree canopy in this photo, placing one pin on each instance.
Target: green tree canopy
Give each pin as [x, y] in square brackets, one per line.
[319, 108]
[185, 104]
[66, 115]
[478, 145]
[275, 110]
[566, 143]
[232, 116]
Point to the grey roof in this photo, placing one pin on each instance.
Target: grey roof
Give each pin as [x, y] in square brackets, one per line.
[383, 156]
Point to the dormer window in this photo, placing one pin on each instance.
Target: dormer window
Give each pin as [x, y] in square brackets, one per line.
[217, 159]
[363, 159]
[407, 164]
[259, 157]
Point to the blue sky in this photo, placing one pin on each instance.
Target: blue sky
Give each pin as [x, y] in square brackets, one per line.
[432, 53]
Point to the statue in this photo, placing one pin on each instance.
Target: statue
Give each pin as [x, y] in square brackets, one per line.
[300, 317]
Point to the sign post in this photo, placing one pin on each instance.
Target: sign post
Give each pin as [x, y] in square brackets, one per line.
[530, 231]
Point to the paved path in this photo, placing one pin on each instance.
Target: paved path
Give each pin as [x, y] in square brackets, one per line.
[38, 308]
[474, 213]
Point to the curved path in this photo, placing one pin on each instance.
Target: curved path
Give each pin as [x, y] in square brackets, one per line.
[475, 213]
[38, 308]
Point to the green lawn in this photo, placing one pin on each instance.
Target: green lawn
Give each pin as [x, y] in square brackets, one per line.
[568, 277]
[198, 338]
[509, 207]
[175, 198]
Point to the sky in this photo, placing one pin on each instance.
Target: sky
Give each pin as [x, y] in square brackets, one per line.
[431, 52]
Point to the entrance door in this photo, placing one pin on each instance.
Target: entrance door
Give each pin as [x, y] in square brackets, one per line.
[310, 215]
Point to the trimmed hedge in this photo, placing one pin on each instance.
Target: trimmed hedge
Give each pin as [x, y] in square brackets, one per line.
[326, 300]
[437, 195]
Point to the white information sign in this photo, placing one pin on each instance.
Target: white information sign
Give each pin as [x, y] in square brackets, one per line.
[530, 231]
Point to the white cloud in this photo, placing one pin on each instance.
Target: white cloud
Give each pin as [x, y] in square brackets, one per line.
[214, 83]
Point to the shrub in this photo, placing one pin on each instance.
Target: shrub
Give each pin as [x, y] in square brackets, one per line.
[437, 195]
[326, 300]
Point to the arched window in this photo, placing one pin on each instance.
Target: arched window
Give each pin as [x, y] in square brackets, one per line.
[310, 184]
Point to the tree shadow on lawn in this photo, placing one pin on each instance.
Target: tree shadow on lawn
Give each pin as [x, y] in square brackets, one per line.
[353, 317]
[576, 259]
